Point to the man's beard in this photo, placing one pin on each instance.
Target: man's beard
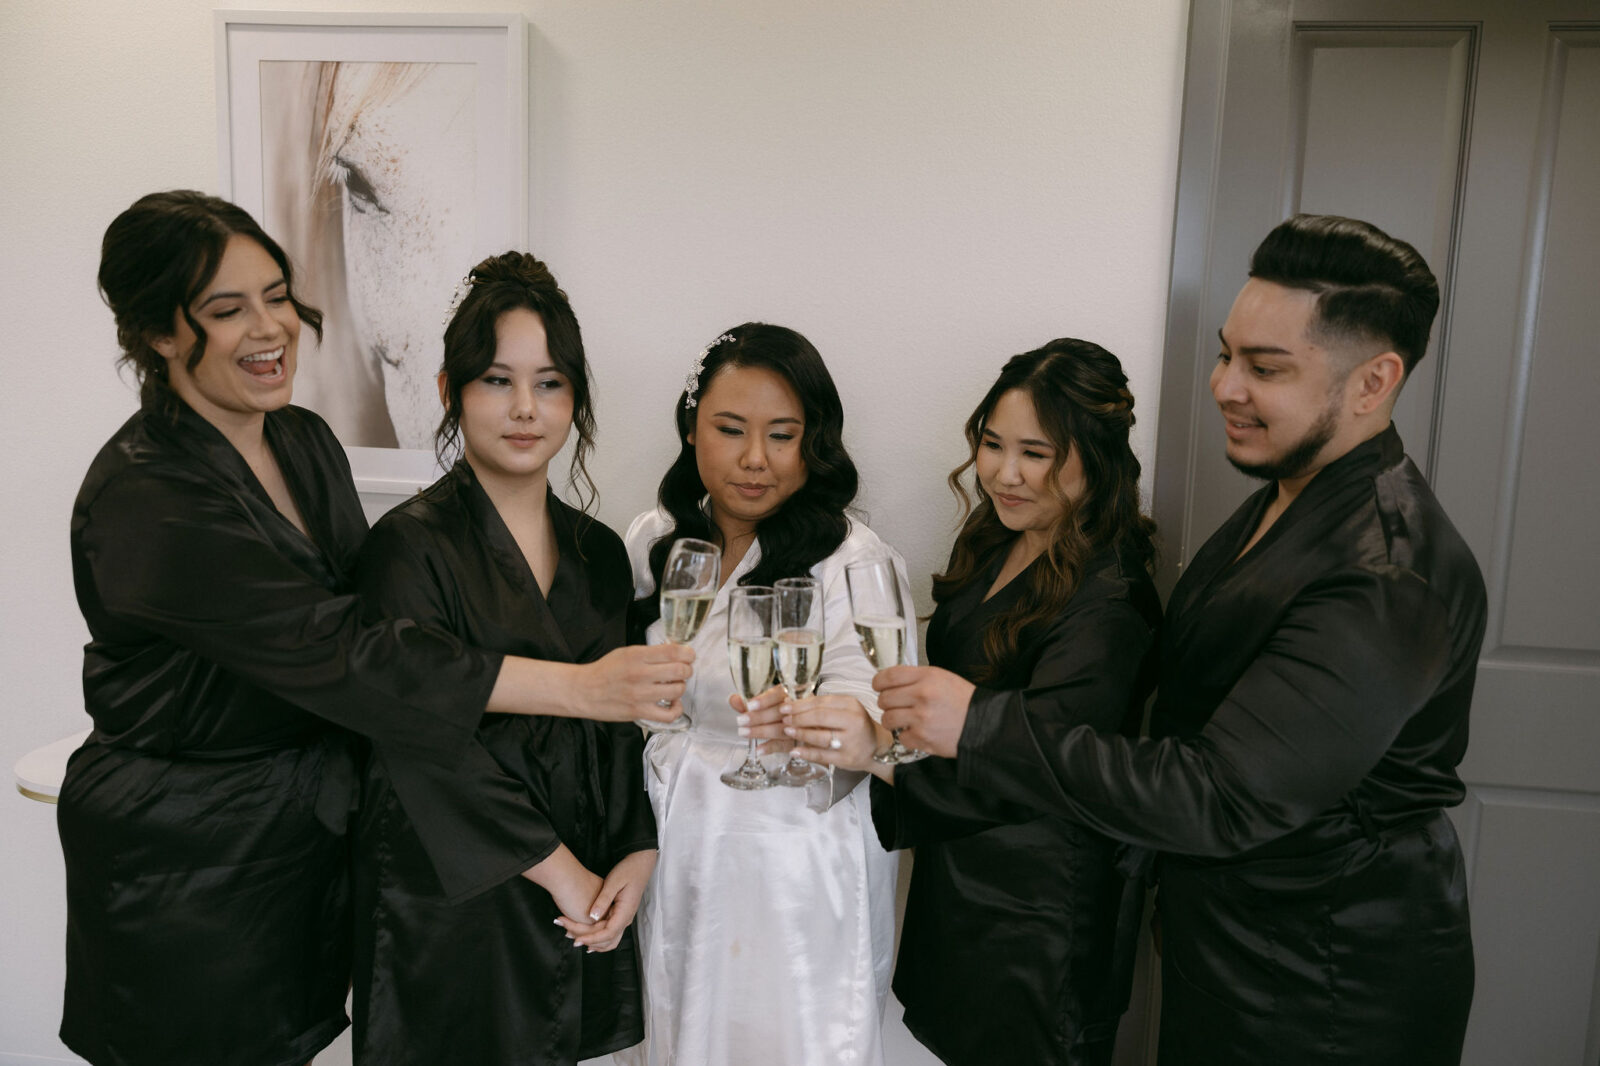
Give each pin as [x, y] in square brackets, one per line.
[1294, 462]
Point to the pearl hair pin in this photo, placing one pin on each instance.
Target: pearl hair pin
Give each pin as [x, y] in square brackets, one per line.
[463, 287]
[691, 384]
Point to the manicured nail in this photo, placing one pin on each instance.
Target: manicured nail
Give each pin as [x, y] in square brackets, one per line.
[743, 731]
[742, 719]
[594, 916]
[835, 744]
[789, 731]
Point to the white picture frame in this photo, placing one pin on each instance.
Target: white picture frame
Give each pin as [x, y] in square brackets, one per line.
[321, 117]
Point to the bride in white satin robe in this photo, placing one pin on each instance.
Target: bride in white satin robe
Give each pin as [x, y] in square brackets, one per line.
[768, 927]
[767, 931]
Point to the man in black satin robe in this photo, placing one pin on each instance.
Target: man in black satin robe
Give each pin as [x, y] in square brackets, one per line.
[1317, 668]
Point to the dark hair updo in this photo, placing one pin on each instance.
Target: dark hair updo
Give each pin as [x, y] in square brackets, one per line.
[156, 259]
[508, 282]
[812, 523]
[1080, 396]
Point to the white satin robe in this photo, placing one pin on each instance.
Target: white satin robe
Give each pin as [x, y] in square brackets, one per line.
[768, 928]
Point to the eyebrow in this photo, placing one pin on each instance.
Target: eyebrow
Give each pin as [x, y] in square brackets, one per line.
[541, 370]
[1025, 440]
[1255, 349]
[233, 295]
[742, 418]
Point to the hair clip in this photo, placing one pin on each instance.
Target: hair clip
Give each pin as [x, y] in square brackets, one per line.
[463, 287]
[691, 384]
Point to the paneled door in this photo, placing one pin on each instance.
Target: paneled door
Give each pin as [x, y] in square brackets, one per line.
[1472, 130]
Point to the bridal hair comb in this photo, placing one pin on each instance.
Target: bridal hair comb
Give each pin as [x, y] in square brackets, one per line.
[691, 384]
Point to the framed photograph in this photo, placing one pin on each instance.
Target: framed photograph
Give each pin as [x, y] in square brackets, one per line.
[387, 154]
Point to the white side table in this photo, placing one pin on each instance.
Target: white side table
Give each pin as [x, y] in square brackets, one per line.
[39, 772]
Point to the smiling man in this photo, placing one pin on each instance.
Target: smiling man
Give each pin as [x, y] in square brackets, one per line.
[1317, 666]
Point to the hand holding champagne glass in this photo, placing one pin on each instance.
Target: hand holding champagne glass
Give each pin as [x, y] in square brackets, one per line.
[689, 583]
[881, 623]
[751, 610]
[801, 635]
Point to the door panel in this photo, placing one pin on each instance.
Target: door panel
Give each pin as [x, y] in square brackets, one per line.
[1379, 137]
[1556, 513]
[1548, 842]
[1468, 129]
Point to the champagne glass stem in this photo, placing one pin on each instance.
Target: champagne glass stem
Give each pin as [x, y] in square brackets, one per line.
[797, 771]
[897, 753]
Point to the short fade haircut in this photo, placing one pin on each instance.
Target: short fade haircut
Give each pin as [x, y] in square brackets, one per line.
[1369, 286]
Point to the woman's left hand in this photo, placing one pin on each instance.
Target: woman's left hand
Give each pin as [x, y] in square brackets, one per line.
[834, 731]
[614, 908]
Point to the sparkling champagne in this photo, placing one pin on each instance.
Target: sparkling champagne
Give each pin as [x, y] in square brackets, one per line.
[883, 639]
[799, 660]
[683, 613]
[752, 666]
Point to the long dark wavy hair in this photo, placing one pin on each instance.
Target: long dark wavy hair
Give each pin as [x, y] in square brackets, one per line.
[156, 258]
[1081, 398]
[812, 523]
[508, 282]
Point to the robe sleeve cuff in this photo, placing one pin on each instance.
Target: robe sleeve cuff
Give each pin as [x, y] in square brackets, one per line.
[823, 794]
[623, 850]
[464, 723]
[886, 809]
[456, 892]
[993, 733]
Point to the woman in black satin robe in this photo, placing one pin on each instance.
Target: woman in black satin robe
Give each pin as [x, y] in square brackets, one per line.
[1019, 927]
[485, 976]
[213, 543]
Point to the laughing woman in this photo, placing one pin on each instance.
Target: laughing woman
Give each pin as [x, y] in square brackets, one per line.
[1019, 927]
[213, 546]
[487, 977]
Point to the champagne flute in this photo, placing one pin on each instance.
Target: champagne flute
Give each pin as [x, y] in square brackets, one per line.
[881, 623]
[688, 585]
[800, 637]
[750, 657]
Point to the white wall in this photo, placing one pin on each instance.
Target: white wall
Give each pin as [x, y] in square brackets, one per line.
[921, 188]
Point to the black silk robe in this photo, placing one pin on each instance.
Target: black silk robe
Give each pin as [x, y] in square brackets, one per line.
[1019, 930]
[1312, 711]
[207, 878]
[458, 958]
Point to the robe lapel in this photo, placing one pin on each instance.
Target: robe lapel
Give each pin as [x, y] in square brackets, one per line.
[513, 565]
[208, 446]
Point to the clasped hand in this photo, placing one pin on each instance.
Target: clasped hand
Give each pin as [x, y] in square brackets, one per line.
[596, 912]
